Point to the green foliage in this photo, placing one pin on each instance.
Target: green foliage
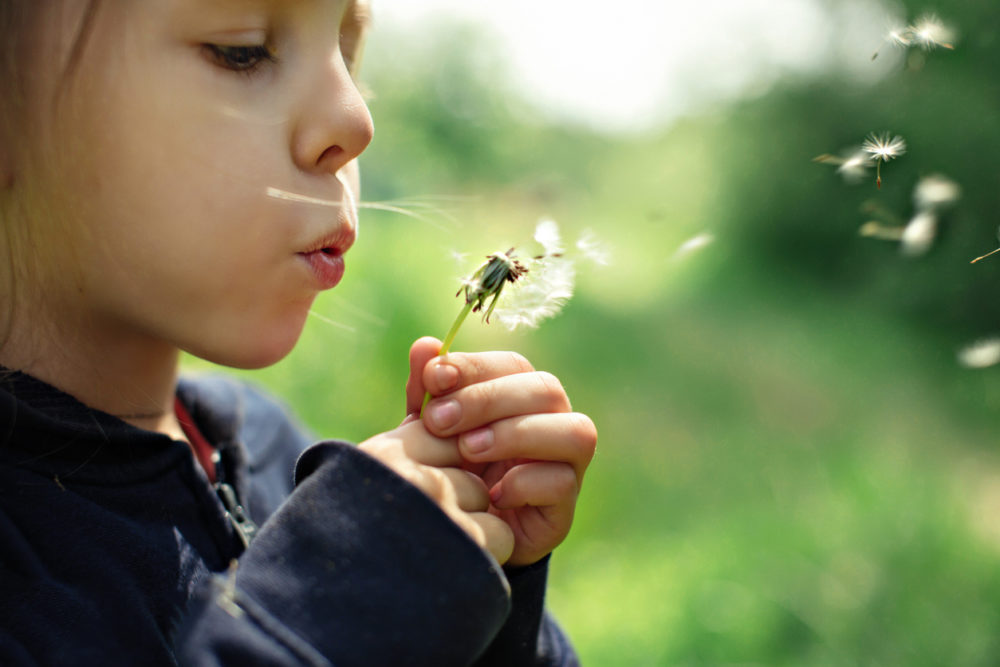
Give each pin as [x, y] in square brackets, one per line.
[793, 470]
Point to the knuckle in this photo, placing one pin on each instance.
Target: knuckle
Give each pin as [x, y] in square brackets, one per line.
[552, 388]
[436, 483]
[519, 363]
[563, 481]
[584, 434]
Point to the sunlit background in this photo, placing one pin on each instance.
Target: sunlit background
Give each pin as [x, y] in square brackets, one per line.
[796, 466]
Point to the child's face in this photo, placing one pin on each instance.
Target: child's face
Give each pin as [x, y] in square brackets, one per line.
[151, 164]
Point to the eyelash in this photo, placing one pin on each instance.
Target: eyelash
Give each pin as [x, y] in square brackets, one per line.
[245, 59]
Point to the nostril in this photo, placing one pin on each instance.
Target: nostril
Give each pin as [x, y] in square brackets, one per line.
[334, 155]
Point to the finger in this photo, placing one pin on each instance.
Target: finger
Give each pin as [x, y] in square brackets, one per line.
[563, 437]
[470, 492]
[421, 352]
[492, 534]
[457, 369]
[413, 442]
[500, 398]
[537, 484]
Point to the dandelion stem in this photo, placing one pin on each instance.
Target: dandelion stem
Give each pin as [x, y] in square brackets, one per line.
[448, 340]
[456, 325]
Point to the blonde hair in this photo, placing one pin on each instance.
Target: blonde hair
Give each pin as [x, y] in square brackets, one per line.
[20, 24]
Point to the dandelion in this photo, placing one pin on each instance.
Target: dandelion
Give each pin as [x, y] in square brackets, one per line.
[929, 33]
[981, 354]
[544, 283]
[882, 149]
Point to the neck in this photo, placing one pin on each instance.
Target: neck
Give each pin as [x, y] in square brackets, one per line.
[126, 376]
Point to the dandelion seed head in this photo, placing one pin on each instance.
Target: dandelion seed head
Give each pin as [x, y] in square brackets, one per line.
[930, 32]
[935, 192]
[919, 234]
[539, 295]
[981, 354]
[882, 148]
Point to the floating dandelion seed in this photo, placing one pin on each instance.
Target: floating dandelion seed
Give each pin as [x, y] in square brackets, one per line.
[882, 149]
[919, 234]
[593, 248]
[852, 164]
[935, 192]
[692, 244]
[874, 229]
[896, 37]
[929, 33]
[992, 252]
[981, 354]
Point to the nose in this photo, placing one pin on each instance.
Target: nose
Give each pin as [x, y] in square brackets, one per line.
[334, 125]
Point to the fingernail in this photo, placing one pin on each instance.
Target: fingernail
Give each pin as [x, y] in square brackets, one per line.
[444, 414]
[446, 376]
[477, 442]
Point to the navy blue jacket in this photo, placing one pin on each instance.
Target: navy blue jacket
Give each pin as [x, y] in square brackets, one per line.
[116, 549]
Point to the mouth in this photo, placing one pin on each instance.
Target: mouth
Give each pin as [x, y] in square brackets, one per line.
[326, 257]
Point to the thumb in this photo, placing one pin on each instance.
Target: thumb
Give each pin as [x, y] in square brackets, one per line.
[422, 351]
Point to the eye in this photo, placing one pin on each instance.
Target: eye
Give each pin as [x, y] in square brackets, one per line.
[240, 58]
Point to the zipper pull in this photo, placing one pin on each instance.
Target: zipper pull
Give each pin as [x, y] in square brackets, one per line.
[246, 529]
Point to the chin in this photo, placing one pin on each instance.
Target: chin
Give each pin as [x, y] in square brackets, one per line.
[258, 349]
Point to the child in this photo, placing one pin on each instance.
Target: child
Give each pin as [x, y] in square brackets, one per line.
[150, 520]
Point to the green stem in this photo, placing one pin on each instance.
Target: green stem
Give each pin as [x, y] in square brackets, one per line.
[449, 339]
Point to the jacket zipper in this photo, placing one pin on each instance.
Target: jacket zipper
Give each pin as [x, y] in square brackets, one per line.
[245, 527]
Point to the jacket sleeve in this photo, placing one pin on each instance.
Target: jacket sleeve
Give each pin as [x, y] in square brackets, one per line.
[359, 567]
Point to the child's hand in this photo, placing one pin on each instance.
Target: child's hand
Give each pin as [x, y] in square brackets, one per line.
[432, 465]
[515, 430]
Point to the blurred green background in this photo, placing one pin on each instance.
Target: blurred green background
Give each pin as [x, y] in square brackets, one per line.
[793, 469]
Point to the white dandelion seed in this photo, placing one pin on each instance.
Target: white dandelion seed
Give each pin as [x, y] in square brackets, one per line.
[930, 32]
[539, 295]
[692, 244]
[989, 254]
[547, 234]
[851, 164]
[882, 149]
[855, 165]
[934, 192]
[919, 234]
[593, 248]
[876, 230]
[898, 37]
[981, 354]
